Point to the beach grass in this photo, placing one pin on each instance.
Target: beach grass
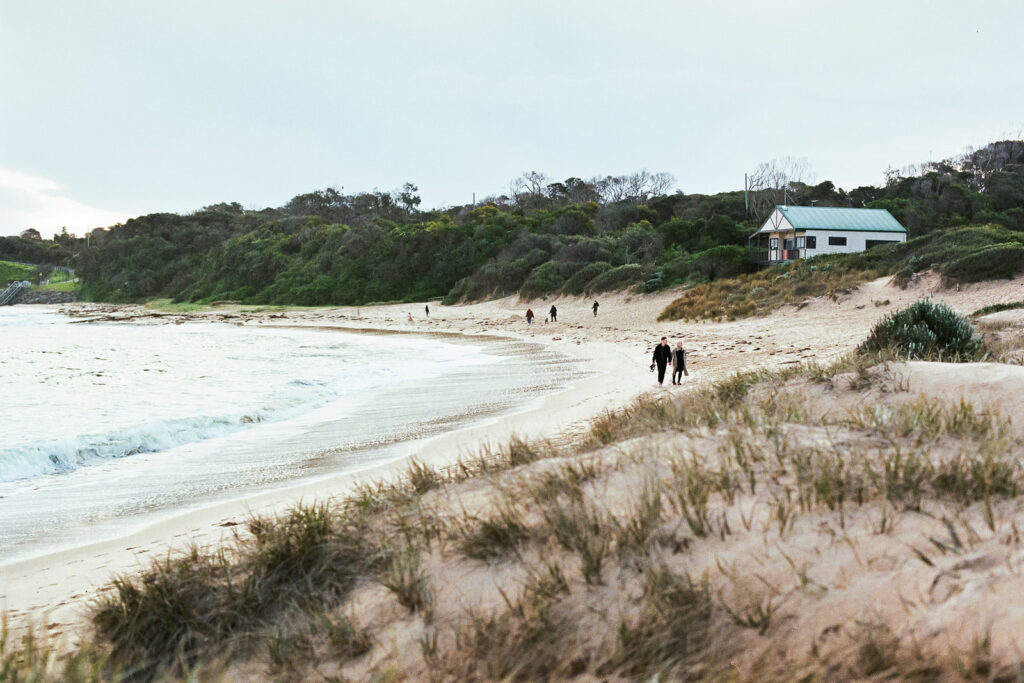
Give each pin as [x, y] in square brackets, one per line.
[996, 308]
[604, 547]
[766, 290]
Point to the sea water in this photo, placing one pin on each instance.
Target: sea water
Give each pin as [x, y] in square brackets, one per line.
[104, 426]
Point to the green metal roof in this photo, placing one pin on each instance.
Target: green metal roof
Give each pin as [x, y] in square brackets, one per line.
[829, 218]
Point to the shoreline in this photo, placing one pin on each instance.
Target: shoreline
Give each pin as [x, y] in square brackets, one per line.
[49, 592]
[54, 589]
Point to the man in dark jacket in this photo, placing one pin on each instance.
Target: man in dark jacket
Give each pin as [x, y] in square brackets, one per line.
[554, 314]
[662, 357]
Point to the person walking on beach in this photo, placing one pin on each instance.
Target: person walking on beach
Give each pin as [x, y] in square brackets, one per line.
[427, 309]
[678, 364]
[529, 316]
[595, 308]
[662, 356]
[410, 317]
[554, 314]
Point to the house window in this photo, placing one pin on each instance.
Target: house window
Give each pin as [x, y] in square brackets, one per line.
[799, 242]
[873, 243]
[789, 243]
[773, 243]
[812, 242]
[837, 241]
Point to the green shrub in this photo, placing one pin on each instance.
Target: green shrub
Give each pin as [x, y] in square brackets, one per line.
[456, 293]
[543, 280]
[579, 280]
[925, 330]
[656, 282]
[995, 308]
[616, 278]
[998, 261]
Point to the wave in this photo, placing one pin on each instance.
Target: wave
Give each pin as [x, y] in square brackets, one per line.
[23, 461]
[60, 455]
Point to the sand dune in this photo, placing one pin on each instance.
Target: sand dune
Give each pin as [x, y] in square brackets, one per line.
[53, 591]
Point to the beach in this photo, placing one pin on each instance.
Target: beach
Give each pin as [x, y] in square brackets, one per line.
[51, 592]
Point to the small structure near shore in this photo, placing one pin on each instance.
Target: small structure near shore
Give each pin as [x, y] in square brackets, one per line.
[13, 291]
[794, 232]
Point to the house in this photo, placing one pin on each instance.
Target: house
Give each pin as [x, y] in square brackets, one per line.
[793, 232]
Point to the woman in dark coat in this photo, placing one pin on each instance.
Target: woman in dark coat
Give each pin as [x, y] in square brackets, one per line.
[678, 364]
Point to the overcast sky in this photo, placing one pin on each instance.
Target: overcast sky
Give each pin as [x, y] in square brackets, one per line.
[111, 109]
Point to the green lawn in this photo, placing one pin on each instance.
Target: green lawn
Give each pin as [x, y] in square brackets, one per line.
[60, 287]
[11, 272]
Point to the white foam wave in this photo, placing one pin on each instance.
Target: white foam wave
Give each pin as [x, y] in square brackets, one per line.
[32, 459]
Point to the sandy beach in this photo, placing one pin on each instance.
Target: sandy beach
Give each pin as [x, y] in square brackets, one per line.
[51, 592]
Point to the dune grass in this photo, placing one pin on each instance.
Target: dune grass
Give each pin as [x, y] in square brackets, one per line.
[764, 291]
[961, 255]
[996, 308]
[597, 585]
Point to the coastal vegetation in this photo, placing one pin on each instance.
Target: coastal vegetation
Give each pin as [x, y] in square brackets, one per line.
[964, 215]
[751, 529]
[960, 255]
[13, 272]
[925, 331]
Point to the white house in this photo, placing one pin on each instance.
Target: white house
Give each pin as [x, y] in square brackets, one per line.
[793, 232]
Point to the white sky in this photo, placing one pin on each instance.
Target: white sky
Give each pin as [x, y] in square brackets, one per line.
[114, 108]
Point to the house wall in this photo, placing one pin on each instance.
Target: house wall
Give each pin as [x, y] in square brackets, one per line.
[776, 222]
[856, 240]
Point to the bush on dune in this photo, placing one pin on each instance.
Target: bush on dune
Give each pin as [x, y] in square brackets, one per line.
[764, 291]
[925, 331]
[1000, 261]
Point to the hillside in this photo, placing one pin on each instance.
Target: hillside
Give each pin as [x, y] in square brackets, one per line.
[12, 272]
[959, 255]
[542, 239]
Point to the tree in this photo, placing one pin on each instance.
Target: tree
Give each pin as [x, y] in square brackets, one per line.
[408, 198]
[528, 190]
[771, 182]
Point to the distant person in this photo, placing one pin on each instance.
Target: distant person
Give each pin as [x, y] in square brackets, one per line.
[662, 356]
[410, 317]
[678, 364]
[554, 314]
[529, 316]
[427, 309]
[595, 308]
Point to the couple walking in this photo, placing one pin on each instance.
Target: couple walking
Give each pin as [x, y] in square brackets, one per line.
[665, 354]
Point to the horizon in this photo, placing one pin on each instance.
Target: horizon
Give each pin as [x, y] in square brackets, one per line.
[170, 109]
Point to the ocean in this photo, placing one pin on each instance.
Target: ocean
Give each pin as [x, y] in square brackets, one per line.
[104, 427]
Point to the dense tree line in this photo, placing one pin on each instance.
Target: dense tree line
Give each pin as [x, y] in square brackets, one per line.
[543, 237]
